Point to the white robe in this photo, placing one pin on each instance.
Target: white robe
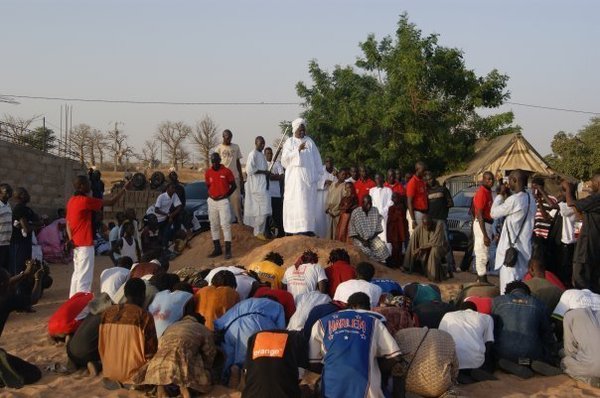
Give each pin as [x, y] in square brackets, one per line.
[257, 203]
[323, 221]
[514, 209]
[302, 173]
[382, 199]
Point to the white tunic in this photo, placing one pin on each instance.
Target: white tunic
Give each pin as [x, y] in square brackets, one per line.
[514, 208]
[382, 200]
[257, 203]
[302, 173]
[322, 220]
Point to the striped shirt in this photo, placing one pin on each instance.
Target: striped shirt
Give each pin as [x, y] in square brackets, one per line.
[542, 226]
[5, 223]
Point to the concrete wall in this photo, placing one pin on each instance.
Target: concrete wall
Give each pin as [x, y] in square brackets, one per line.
[47, 178]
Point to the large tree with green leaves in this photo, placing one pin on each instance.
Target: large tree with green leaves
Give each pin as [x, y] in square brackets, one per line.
[407, 98]
[577, 155]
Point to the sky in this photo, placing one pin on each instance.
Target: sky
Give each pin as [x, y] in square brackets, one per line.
[256, 51]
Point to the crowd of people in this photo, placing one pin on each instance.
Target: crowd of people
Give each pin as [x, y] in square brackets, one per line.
[259, 327]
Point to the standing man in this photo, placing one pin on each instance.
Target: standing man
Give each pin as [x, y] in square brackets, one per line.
[80, 208]
[482, 227]
[221, 185]
[382, 200]
[230, 158]
[586, 259]
[257, 205]
[440, 202]
[302, 162]
[393, 181]
[167, 209]
[519, 212]
[363, 184]
[335, 193]
[416, 197]
[6, 193]
[275, 178]
[327, 178]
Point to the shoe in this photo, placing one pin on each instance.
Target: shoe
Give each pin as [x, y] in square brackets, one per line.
[482, 279]
[261, 237]
[482, 375]
[515, 369]
[227, 250]
[545, 369]
[217, 249]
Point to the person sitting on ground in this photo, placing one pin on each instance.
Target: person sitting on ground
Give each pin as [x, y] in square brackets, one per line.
[149, 266]
[111, 279]
[67, 318]
[477, 290]
[523, 336]
[185, 357]
[15, 372]
[428, 247]
[128, 246]
[306, 275]
[149, 236]
[156, 283]
[269, 270]
[127, 325]
[345, 347]
[573, 299]
[272, 363]
[547, 275]
[420, 293]
[396, 310]
[389, 286]
[304, 303]
[473, 334]
[317, 313]
[582, 351]
[541, 288]
[114, 237]
[246, 283]
[216, 299]
[168, 307]
[237, 325]
[431, 313]
[339, 269]
[362, 283]
[283, 297]
[364, 229]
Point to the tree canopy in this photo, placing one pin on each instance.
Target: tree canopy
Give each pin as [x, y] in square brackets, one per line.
[407, 98]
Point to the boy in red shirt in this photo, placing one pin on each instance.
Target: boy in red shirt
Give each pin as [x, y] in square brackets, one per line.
[363, 184]
[221, 184]
[416, 197]
[339, 269]
[482, 227]
[80, 208]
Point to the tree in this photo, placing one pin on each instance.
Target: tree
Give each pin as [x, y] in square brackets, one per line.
[205, 138]
[98, 146]
[406, 98]
[173, 136]
[118, 146]
[17, 128]
[150, 153]
[42, 138]
[577, 155]
[80, 140]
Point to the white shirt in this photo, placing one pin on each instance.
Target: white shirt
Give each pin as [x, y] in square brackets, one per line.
[382, 200]
[568, 228]
[244, 282]
[303, 279]
[574, 298]
[112, 279]
[167, 308]
[348, 288]
[164, 203]
[470, 330]
[305, 302]
[274, 185]
[6, 225]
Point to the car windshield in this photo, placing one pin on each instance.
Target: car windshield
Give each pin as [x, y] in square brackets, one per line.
[464, 199]
[196, 190]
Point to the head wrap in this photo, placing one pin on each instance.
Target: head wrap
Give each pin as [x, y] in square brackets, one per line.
[296, 124]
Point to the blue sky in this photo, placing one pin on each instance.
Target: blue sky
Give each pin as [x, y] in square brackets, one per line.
[258, 50]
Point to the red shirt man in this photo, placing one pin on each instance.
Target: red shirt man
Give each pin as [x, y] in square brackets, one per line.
[483, 201]
[338, 272]
[396, 187]
[79, 218]
[362, 188]
[283, 297]
[417, 190]
[218, 181]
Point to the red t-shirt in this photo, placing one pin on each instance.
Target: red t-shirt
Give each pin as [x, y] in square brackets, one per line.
[417, 189]
[339, 272]
[79, 218]
[283, 297]
[483, 200]
[218, 181]
[397, 187]
[484, 304]
[362, 188]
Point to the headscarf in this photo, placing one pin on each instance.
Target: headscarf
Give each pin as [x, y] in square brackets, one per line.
[296, 124]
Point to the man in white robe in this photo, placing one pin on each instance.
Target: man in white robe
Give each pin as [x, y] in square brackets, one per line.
[303, 168]
[257, 204]
[327, 178]
[519, 212]
[382, 200]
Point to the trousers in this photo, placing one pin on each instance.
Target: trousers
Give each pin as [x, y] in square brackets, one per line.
[219, 216]
[481, 250]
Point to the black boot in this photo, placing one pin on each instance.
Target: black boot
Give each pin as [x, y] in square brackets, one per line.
[227, 250]
[217, 250]
[482, 279]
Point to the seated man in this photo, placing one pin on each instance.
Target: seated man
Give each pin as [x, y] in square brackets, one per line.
[269, 270]
[473, 335]
[306, 275]
[582, 351]
[317, 313]
[149, 266]
[388, 286]
[420, 293]
[345, 347]
[237, 325]
[428, 247]
[431, 313]
[304, 303]
[283, 297]
[126, 325]
[216, 299]
[339, 269]
[362, 283]
[476, 289]
[111, 279]
[169, 307]
[67, 318]
[364, 229]
[246, 284]
[272, 363]
[523, 336]
[541, 288]
[573, 299]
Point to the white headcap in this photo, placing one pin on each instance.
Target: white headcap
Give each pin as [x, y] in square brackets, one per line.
[296, 124]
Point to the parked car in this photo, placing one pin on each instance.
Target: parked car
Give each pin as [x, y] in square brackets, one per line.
[196, 196]
[460, 219]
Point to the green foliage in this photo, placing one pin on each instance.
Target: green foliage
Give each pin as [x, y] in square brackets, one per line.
[42, 138]
[577, 155]
[407, 98]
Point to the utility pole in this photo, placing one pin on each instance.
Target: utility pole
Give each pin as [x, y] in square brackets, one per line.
[45, 137]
